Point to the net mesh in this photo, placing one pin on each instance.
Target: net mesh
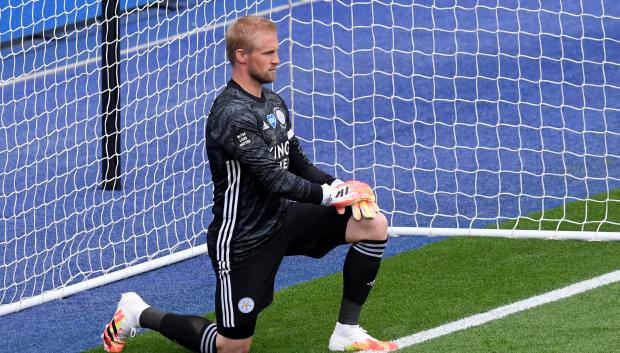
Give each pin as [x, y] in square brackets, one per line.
[461, 113]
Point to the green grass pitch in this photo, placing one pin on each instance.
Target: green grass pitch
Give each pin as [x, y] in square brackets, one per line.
[459, 277]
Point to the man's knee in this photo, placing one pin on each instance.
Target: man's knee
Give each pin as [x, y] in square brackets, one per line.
[225, 349]
[378, 228]
[367, 229]
[228, 345]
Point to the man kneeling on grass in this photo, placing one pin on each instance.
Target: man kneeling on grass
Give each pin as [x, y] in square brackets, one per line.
[269, 201]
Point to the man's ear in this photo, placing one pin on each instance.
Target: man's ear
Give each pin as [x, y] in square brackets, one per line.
[240, 56]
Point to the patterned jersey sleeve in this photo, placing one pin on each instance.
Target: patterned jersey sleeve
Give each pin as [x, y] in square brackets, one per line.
[300, 165]
[238, 132]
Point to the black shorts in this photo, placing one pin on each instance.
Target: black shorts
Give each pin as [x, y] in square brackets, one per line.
[243, 292]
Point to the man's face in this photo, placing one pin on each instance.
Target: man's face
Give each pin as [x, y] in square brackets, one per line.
[263, 60]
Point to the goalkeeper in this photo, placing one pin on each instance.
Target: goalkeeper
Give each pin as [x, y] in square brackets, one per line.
[269, 202]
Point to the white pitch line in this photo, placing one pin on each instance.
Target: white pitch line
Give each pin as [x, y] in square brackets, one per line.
[163, 41]
[503, 311]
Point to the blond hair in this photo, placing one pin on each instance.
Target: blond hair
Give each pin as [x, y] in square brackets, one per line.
[242, 32]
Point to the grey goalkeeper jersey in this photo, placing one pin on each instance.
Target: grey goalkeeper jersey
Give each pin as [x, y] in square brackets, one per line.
[257, 165]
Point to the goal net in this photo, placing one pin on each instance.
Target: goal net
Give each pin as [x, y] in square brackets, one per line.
[462, 114]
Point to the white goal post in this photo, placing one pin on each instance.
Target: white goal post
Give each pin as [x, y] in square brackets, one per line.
[465, 116]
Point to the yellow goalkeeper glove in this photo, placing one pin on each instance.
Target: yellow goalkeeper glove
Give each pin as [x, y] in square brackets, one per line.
[366, 209]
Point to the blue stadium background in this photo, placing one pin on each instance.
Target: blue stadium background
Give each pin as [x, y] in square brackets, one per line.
[19, 19]
[431, 101]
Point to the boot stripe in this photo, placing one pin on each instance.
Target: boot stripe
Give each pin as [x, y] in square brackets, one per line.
[110, 335]
[113, 324]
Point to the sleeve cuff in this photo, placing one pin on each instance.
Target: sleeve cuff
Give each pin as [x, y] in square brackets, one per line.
[316, 194]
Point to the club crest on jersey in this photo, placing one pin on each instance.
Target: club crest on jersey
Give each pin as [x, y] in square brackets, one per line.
[272, 120]
[280, 116]
[246, 305]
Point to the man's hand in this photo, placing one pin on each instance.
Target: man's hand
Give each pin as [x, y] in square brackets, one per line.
[366, 209]
[352, 193]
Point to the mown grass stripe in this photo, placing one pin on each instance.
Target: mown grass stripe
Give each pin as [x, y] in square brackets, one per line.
[503, 311]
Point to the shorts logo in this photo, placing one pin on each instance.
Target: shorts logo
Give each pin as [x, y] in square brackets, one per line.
[280, 115]
[272, 120]
[246, 305]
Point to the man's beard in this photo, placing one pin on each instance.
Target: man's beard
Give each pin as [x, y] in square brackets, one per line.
[263, 79]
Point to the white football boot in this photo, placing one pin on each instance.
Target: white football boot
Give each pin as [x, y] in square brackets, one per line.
[124, 323]
[352, 338]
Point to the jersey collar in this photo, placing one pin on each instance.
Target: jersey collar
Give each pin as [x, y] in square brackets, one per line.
[235, 85]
